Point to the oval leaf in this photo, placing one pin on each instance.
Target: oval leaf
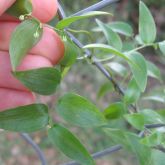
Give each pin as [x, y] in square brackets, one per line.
[108, 49]
[156, 97]
[28, 118]
[69, 145]
[132, 93]
[162, 47]
[79, 111]
[154, 139]
[69, 20]
[147, 27]
[24, 37]
[20, 7]
[153, 71]
[43, 81]
[139, 69]
[118, 68]
[131, 142]
[145, 117]
[71, 52]
[119, 27]
[114, 111]
[122, 28]
[111, 36]
[104, 89]
[136, 120]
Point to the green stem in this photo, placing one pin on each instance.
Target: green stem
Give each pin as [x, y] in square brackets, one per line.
[81, 31]
[104, 61]
[141, 47]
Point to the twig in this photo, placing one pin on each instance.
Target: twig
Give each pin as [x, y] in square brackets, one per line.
[30, 141]
[150, 126]
[160, 148]
[96, 6]
[97, 155]
[106, 73]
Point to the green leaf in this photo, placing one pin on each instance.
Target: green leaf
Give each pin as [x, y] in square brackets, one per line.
[118, 27]
[132, 93]
[118, 136]
[154, 139]
[43, 81]
[161, 113]
[24, 37]
[162, 47]
[69, 20]
[131, 142]
[111, 36]
[147, 27]
[79, 111]
[104, 89]
[71, 52]
[158, 157]
[139, 69]
[153, 71]
[28, 118]
[152, 117]
[114, 111]
[69, 145]
[147, 116]
[159, 98]
[118, 68]
[20, 7]
[122, 28]
[139, 40]
[142, 152]
[136, 120]
[108, 49]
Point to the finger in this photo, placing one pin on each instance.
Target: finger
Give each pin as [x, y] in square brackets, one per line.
[5, 4]
[30, 62]
[44, 10]
[50, 45]
[6, 17]
[13, 98]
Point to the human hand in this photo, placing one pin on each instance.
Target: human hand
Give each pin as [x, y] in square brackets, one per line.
[46, 53]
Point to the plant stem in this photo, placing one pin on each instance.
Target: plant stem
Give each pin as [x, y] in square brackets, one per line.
[141, 47]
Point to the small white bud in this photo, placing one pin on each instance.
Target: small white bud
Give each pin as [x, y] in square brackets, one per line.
[41, 26]
[36, 34]
[64, 38]
[21, 17]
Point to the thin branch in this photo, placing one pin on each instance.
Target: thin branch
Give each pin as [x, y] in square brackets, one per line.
[61, 12]
[150, 126]
[30, 141]
[106, 73]
[141, 47]
[96, 7]
[100, 154]
[160, 148]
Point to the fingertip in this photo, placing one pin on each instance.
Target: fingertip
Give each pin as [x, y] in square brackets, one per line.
[11, 98]
[44, 10]
[5, 4]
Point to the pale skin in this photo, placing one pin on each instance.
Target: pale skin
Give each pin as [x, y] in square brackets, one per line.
[46, 53]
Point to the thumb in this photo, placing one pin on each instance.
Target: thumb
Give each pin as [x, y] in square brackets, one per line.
[5, 4]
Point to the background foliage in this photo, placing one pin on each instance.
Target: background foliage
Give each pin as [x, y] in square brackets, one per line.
[87, 82]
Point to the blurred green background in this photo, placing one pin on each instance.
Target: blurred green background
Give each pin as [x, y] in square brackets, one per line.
[86, 80]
